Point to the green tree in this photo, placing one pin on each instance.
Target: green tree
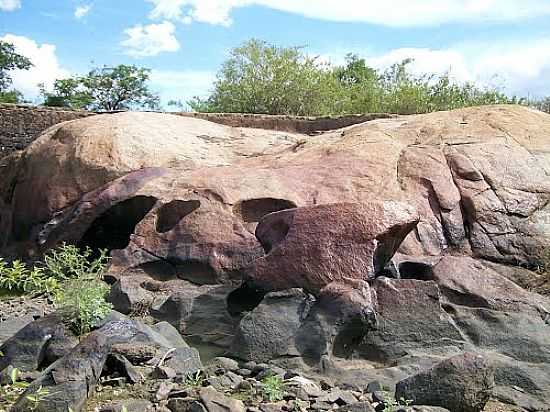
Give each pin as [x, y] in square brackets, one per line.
[10, 60]
[122, 87]
[358, 87]
[262, 78]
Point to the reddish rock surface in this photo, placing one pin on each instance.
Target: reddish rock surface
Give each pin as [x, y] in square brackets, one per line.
[477, 176]
[311, 247]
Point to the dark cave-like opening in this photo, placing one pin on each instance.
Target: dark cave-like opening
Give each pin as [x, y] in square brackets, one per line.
[244, 299]
[253, 210]
[113, 228]
[170, 214]
[415, 270]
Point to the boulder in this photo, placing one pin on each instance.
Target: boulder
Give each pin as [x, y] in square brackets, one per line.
[411, 322]
[109, 146]
[29, 347]
[268, 332]
[311, 247]
[524, 384]
[215, 401]
[463, 383]
[448, 165]
[73, 378]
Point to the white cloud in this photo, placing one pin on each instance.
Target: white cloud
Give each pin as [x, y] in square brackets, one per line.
[150, 40]
[182, 85]
[397, 13]
[10, 5]
[46, 67]
[82, 10]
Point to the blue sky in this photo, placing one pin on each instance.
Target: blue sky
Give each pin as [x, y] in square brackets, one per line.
[499, 42]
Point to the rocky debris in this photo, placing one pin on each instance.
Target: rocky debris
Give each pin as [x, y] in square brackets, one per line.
[311, 247]
[123, 367]
[215, 401]
[29, 348]
[129, 405]
[463, 383]
[71, 380]
[317, 276]
[357, 407]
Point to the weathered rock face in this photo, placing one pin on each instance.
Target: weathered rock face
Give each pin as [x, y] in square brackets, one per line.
[449, 165]
[313, 246]
[464, 197]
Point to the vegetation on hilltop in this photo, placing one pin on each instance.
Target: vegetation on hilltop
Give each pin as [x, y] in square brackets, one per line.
[259, 77]
[123, 87]
[262, 78]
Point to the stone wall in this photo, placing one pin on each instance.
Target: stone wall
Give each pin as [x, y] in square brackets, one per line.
[21, 124]
[295, 124]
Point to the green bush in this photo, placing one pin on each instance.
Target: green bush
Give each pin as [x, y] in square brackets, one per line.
[262, 78]
[82, 303]
[46, 277]
[273, 389]
[68, 275]
[69, 262]
[18, 278]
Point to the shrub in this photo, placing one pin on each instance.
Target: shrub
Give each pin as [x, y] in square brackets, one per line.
[18, 278]
[274, 388]
[47, 277]
[69, 262]
[262, 78]
[72, 277]
[82, 303]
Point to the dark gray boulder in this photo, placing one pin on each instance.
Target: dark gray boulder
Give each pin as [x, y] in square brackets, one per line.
[28, 348]
[463, 383]
[73, 378]
[268, 332]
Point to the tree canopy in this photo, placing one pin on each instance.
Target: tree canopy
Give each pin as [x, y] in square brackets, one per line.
[262, 78]
[10, 60]
[122, 87]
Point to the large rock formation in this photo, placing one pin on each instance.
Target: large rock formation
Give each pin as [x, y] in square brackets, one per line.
[228, 233]
[478, 176]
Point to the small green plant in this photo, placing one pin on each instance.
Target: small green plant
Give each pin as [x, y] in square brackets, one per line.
[59, 265]
[69, 262]
[274, 388]
[71, 277]
[37, 397]
[82, 303]
[392, 405]
[195, 380]
[11, 392]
